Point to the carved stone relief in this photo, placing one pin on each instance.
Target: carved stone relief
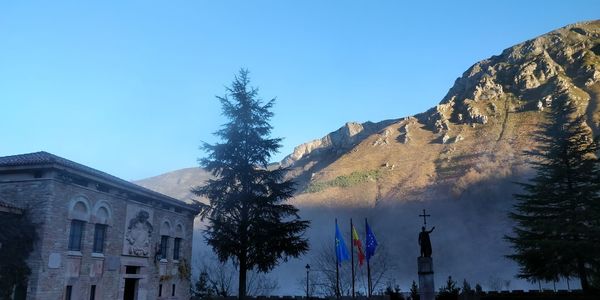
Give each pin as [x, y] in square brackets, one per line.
[138, 231]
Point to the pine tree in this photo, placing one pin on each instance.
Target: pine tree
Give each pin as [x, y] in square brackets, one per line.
[557, 232]
[248, 220]
[203, 289]
[450, 291]
[478, 289]
[467, 291]
[414, 291]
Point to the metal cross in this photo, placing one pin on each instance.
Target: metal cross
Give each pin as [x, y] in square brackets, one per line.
[424, 215]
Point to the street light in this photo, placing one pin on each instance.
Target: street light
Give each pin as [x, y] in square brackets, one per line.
[307, 270]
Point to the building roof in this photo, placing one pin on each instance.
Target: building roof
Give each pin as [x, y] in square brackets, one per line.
[44, 159]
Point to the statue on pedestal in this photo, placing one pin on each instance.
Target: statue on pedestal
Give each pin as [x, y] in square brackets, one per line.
[425, 242]
[425, 262]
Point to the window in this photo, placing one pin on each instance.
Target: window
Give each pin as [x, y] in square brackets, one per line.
[76, 235]
[176, 247]
[173, 290]
[68, 292]
[164, 246]
[160, 290]
[99, 235]
[79, 209]
[93, 292]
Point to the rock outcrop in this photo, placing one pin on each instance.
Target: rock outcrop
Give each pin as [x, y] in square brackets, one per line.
[338, 141]
[557, 66]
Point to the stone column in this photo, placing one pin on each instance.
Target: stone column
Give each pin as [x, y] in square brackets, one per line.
[426, 287]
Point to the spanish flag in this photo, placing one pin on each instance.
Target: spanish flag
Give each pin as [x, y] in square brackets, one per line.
[356, 242]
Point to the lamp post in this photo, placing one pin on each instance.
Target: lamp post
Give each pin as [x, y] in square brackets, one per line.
[307, 270]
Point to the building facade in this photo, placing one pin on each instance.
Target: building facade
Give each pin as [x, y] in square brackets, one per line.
[100, 237]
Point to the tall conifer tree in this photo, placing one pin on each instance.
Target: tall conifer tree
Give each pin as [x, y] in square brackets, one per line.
[557, 232]
[248, 220]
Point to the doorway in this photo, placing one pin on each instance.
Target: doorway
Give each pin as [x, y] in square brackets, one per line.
[130, 289]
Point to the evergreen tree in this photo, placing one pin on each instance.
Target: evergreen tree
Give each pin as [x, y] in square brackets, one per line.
[478, 289]
[248, 220]
[17, 236]
[450, 291]
[557, 232]
[203, 289]
[414, 291]
[394, 293]
[467, 292]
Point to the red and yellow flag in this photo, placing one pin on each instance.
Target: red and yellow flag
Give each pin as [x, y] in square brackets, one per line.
[356, 242]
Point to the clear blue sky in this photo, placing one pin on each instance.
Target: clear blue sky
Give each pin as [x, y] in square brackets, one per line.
[128, 86]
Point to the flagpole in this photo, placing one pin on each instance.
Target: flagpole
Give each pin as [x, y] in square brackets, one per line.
[352, 255]
[369, 277]
[337, 269]
[369, 288]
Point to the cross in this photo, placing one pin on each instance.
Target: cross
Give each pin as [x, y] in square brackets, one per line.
[424, 215]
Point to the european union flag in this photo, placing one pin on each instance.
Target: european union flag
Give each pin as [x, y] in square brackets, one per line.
[341, 252]
[371, 242]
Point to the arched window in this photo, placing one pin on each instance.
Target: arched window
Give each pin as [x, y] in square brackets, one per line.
[102, 217]
[102, 213]
[79, 213]
[177, 241]
[165, 232]
[79, 209]
[179, 230]
[165, 228]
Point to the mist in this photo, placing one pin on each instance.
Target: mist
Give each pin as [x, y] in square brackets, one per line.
[468, 240]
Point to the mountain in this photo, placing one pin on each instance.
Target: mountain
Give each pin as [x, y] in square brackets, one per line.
[477, 132]
[459, 160]
[177, 184]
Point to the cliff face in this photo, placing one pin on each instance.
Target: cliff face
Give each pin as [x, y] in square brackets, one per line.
[559, 66]
[337, 142]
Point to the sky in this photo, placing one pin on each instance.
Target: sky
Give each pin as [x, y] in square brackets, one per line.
[128, 87]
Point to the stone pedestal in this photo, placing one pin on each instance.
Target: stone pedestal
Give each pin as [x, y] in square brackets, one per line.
[426, 287]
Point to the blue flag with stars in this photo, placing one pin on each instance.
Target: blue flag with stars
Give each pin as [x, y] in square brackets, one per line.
[371, 242]
[341, 252]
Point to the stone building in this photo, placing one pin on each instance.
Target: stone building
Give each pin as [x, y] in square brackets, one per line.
[100, 237]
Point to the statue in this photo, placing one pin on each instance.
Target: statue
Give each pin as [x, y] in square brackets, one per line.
[425, 262]
[425, 242]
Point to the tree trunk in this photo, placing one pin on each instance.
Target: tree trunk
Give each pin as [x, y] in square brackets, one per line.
[585, 285]
[242, 279]
[243, 258]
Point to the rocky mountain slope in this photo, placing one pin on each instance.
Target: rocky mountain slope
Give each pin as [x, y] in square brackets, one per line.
[478, 131]
[459, 160]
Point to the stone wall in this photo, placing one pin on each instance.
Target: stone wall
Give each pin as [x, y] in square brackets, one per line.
[35, 198]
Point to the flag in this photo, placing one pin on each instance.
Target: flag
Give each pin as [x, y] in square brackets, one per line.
[341, 252]
[371, 242]
[356, 242]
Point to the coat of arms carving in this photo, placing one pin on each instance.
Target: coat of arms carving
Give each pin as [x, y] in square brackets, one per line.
[138, 235]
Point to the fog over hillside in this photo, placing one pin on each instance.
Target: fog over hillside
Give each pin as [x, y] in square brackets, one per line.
[467, 241]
